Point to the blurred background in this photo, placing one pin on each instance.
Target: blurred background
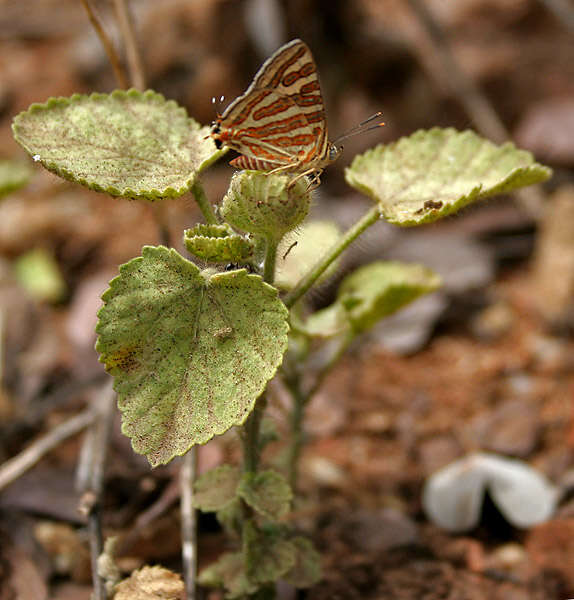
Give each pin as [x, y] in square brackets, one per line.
[487, 363]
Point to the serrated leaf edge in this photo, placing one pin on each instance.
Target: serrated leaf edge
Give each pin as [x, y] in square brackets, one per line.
[151, 251]
[62, 101]
[544, 174]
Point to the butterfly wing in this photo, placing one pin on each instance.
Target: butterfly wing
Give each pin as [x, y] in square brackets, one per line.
[280, 120]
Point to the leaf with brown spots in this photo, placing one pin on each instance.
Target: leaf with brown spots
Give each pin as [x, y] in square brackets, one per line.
[179, 379]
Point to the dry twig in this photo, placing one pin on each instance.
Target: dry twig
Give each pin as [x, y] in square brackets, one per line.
[108, 46]
[562, 10]
[18, 465]
[189, 522]
[90, 477]
[133, 54]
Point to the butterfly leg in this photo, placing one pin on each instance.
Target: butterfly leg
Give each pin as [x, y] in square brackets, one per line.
[315, 179]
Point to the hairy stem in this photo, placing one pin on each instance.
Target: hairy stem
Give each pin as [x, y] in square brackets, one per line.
[345, 240]
[204, 204]
[297, 433]
[270, 259]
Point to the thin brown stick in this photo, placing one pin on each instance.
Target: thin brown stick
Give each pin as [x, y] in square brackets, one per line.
[189, 523]
[108, 46]
[133, 54]
[18, 465]
[90, 478]
[563, 11]
[477, 105]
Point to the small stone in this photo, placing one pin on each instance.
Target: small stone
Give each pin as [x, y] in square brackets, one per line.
[379, 530]
[325, 472]
[512, 429]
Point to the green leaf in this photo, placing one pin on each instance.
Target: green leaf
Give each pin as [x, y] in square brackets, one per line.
[40, 274]
[230, 517]
[312, 238]
[269, 556]
[430, 174]
[126, 143]
[307, 569]
[190, 350]
[216, 489]
[217, 243]
[371, 293]
[228, 572]
[267, 492]
[13, 176]
[327, 322]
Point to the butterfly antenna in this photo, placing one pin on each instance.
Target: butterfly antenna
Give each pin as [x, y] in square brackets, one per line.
[217, 103]
[362, 127]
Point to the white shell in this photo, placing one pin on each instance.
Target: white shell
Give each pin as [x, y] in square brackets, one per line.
[453, 496]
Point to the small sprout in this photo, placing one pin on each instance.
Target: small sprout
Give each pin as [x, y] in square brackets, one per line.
[453, 496]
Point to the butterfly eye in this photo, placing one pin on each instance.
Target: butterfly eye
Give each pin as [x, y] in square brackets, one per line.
[334, 152]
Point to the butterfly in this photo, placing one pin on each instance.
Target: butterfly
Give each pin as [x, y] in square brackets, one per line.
[279, 124]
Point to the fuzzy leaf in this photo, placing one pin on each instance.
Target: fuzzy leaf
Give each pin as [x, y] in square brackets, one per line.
[269, 556]
[228, 572]
[371, 293]
[267, 492]
[127, 143]
[190, 350]
[307, 569]
[430, 174]
[217, 243]
[216, 489]
[13, 176]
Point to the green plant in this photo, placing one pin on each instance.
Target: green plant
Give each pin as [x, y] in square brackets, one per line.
[191, 350]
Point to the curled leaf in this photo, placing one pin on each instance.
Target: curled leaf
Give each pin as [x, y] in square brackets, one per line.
[217, 243]
[434, 173]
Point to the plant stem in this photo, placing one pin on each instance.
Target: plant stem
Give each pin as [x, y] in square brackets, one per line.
[251, 430]
[297, 434]
[270, 259]
[301, 399]
[204, 204]
[371, 217]
[325, 369]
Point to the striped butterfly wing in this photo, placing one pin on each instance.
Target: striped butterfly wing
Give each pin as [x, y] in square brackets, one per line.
[279, 122]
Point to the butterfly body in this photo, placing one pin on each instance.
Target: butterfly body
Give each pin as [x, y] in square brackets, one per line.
[279, 124]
